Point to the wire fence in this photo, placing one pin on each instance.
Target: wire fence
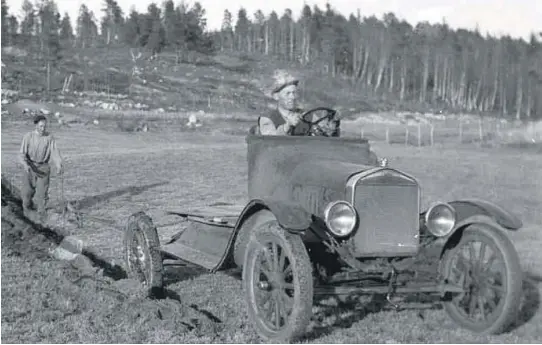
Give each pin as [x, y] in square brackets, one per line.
[221, 102]
[454, 130]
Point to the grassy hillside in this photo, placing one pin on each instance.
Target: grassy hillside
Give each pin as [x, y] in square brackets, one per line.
[122, 89]
[197, 82]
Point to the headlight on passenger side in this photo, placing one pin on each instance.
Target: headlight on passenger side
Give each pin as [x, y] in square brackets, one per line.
[440, 219]
[340, 218]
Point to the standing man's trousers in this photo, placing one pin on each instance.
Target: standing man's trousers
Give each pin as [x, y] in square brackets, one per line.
[37, 187]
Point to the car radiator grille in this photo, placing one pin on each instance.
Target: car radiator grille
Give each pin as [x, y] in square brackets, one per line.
[388, 219]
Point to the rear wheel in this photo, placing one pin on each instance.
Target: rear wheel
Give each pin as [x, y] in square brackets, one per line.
[141, 249]
[486, 265]
[278, 283]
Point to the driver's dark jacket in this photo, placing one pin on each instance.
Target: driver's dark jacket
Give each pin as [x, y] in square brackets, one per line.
[302, 128]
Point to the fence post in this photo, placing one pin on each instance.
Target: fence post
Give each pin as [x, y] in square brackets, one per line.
[419, 134]
[480, 130]
[387, 135]
[432, 134]
[406, 135]
[460, 130]
[362, 133]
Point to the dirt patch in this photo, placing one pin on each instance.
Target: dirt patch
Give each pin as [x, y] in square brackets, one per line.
[53, 301]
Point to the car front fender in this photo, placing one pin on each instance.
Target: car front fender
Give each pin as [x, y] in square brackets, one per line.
[469, 208]
[473, 211]
[290, 216]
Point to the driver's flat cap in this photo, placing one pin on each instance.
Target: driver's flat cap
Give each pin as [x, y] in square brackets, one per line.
[282, 79]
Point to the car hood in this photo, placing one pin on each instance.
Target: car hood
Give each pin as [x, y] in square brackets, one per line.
[331, 174]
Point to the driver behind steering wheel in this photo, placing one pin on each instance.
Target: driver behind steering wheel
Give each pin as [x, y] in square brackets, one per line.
[286, 119]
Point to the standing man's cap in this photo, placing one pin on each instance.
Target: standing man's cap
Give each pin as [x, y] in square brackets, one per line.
[282, 79]
[39, 118]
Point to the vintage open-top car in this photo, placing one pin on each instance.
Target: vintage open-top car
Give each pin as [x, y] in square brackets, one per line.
[324, 216]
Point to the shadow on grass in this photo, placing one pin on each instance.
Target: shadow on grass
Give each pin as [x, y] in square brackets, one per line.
[177, 273]
[348, 312]
[164, 293]
[90, 201]
[531, 299]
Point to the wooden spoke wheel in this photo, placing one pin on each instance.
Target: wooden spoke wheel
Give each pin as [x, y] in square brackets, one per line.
[486, 265]
[278, 284]
[141, 250]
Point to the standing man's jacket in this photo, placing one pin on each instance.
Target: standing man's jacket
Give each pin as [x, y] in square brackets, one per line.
[38, 150]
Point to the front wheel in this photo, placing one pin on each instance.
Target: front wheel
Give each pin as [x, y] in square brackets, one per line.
[486, 265]
[141, 250]
[278, 284]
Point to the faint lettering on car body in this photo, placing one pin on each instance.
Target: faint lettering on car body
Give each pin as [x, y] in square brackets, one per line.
[313, 198]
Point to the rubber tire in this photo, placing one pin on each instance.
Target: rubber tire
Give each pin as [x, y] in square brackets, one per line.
[243, 235]
[514, 280]
[303, 283]
[141, 223]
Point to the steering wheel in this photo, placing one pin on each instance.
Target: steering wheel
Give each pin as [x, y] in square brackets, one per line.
[314, 129]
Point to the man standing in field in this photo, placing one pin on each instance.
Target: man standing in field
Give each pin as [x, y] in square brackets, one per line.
[37, 149]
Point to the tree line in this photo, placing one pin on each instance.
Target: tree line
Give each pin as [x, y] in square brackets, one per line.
[388, 57]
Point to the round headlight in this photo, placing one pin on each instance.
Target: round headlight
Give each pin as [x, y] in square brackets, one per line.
[340, 218]
[440, 219]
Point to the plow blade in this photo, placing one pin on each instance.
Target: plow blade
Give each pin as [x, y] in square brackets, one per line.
[201, 244]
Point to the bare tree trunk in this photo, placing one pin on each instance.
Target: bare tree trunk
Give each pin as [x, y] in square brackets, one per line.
[423, 87]
[495, 87]
[380, 72]
[519, 92]
[392, 69]
[529, 100]
[359, 62]
[292, 36]
[443, 79]
[403, 80]
[504, 108]
[365, 64]
[463, 85]
[435, 79]
[308, 47]
[266, 38]
[249, 39]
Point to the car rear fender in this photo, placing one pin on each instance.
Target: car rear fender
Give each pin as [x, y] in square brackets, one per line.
[290, 216]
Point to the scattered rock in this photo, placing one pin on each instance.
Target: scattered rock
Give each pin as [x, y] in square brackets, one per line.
[68, 249]
[142, 127]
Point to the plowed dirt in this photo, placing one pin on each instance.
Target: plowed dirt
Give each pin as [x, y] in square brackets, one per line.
[45, 300]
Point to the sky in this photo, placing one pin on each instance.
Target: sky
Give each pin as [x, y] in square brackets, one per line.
[517, 18]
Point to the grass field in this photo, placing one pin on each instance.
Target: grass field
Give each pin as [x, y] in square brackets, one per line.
[113, 174]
